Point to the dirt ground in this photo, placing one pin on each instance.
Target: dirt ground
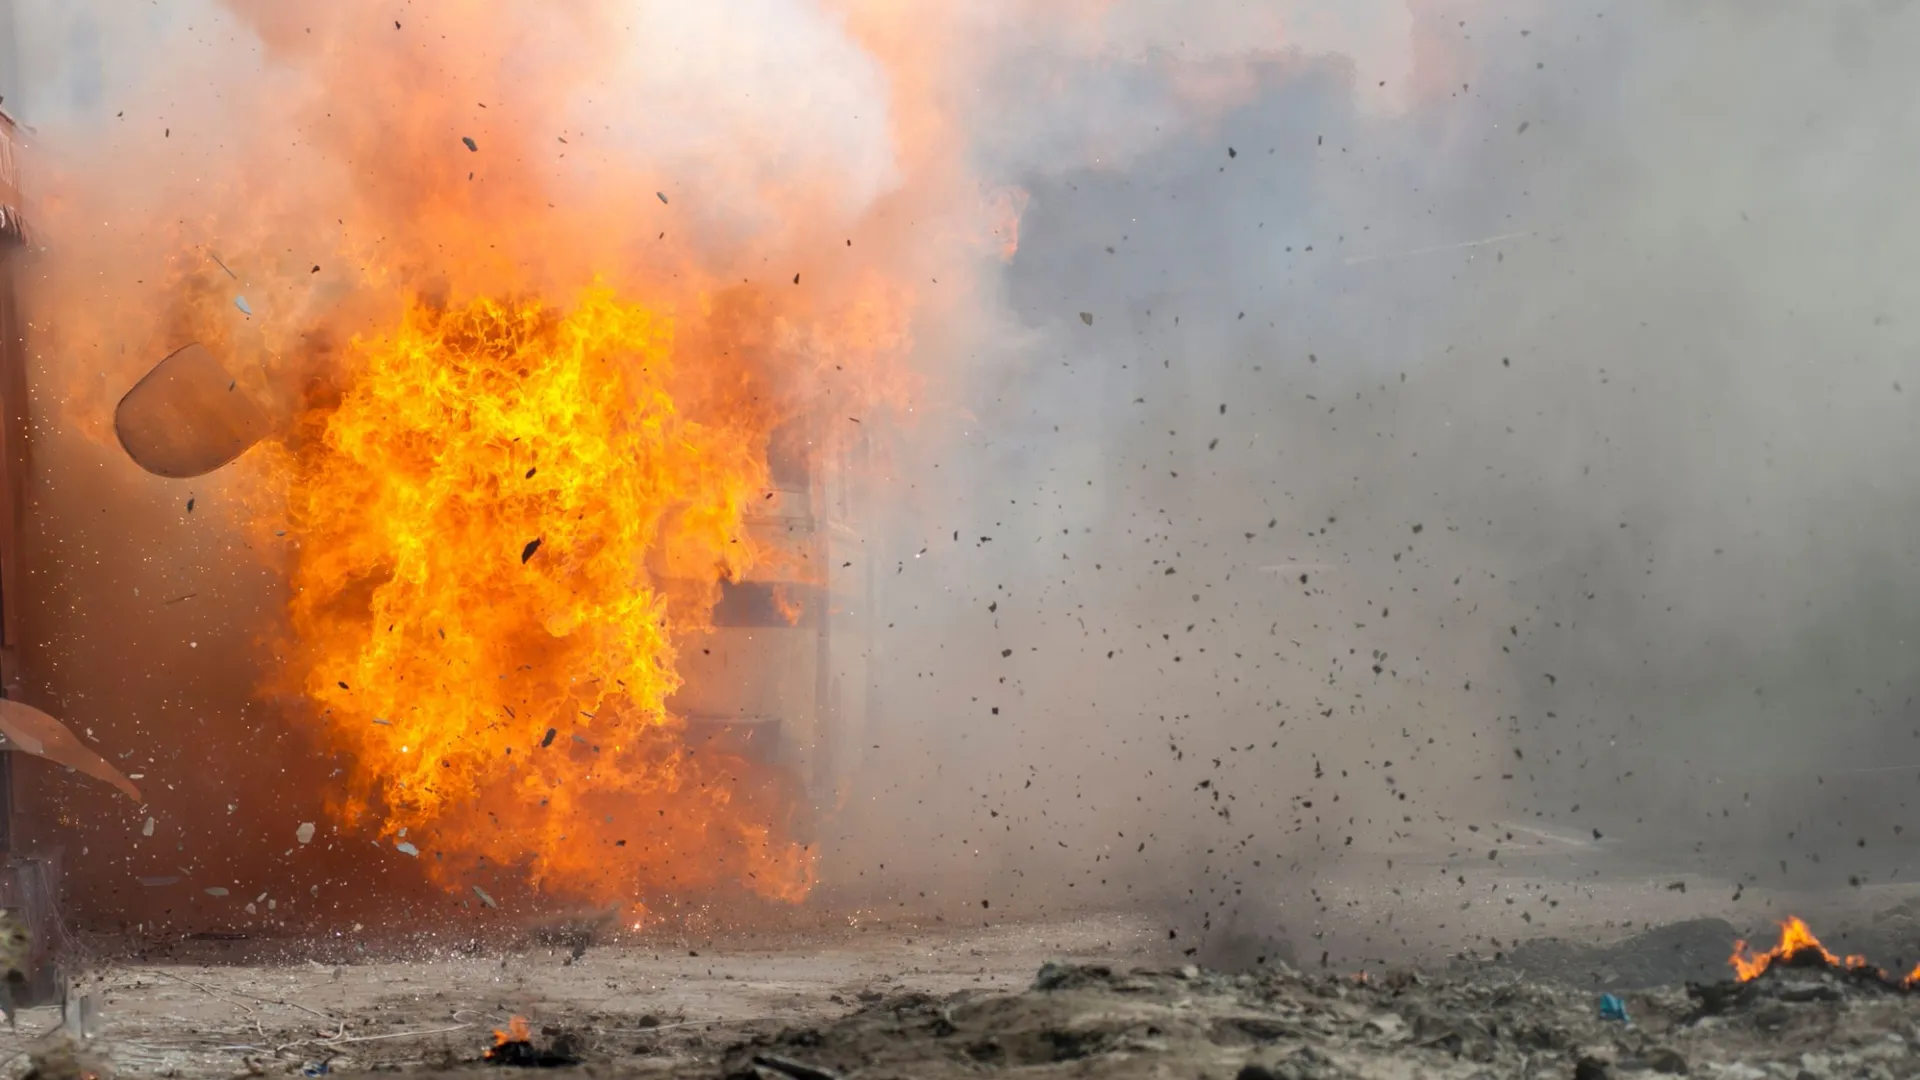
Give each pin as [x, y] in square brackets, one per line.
[664, 1002]
[1091, 994]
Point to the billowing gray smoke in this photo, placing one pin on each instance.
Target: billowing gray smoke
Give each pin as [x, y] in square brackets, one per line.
[1371, 484]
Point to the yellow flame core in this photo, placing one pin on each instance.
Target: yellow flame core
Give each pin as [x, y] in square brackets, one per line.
[476, 618]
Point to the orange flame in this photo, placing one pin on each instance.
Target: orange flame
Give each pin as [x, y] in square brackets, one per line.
[1796, 941]
[517, 1031]
[489, 524]
[543, 362]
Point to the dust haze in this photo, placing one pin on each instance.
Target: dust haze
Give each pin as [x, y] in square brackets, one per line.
[1529, 453]
[1405, 433]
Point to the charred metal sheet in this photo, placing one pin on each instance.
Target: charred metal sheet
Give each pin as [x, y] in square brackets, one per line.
[27, 730]
[188, 416]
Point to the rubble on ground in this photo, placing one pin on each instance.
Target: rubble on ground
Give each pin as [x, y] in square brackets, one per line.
[1089, 1021]
[860, 1012]
[1692, 950]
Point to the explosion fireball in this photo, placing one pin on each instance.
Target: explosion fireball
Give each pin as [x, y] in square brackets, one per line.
[480, 517]
[537, 312]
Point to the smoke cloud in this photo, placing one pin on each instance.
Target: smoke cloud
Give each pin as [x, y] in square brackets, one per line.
[1515, 456]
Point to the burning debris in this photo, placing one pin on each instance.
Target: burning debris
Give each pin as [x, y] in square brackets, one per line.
[515, 1047]
[1799, 949]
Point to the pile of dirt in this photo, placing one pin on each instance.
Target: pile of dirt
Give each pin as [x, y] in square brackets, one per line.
[1691, 951]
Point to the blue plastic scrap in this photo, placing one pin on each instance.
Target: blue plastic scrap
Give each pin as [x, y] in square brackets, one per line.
[1612, 1008]
[241, 303]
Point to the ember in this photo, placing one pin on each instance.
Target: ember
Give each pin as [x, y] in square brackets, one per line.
[1799, 948]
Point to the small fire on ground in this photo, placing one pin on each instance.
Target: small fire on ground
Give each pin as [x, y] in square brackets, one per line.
[1799, 948]
[517, 1032]
[515, 1047]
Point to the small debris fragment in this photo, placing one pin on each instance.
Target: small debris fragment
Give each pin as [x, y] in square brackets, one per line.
[484, 898]
[527, 552]
[1087, 317]
[407, 848]
[797, 1070]
[304, 833]
[471, 145]
[241, 303]
[1387, 1025]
